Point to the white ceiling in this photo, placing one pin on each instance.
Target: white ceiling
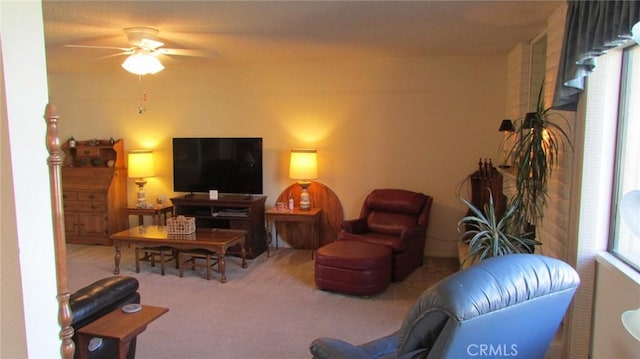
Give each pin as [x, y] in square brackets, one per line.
[259, 32]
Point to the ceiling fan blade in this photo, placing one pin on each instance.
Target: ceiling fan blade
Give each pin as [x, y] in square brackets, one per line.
[100, 47]
[186, 52]
[115, 55]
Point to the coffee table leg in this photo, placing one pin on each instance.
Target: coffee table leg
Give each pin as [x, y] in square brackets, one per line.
[222, 267]
[116, 270]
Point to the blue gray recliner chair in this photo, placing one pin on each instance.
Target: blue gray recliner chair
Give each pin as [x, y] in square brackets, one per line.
[507, 306]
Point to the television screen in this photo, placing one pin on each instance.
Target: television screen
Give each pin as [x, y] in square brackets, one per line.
[228, 165]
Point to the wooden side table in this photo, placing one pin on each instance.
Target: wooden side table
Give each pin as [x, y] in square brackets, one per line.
[310, 217]
[332, 213]
[159, 214]
[119, 326]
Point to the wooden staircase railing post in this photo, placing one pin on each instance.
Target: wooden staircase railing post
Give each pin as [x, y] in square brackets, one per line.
[54, 161]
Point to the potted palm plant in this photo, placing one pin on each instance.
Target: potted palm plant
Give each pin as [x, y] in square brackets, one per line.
[488, 235]
[539, 140]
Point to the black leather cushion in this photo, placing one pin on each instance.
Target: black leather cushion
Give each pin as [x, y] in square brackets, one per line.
[102, 297]
[98, 299]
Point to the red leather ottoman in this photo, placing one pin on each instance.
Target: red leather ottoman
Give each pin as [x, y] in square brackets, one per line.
[353, 267]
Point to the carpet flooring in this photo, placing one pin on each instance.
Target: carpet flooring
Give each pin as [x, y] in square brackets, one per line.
[272, 309]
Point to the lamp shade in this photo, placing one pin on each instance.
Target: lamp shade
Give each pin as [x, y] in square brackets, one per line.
[303, 164]
[142, 63]
[141, 164]
[530, 119]
[506, 126]
[631, 321]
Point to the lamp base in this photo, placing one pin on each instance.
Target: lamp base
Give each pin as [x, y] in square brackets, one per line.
[305, 202]
[142, 198]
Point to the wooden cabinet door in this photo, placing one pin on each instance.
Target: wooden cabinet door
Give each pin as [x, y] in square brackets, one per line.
[71, 224]
[94, 224]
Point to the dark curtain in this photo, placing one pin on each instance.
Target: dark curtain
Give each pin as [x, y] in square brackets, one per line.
[592, 28]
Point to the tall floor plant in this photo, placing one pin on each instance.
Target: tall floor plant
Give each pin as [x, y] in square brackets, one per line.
[536, 153]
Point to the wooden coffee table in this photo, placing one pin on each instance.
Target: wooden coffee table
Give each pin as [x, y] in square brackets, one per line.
[120, 326]
[214, 239]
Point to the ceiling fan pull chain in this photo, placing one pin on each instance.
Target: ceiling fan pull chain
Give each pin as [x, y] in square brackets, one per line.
[142, 105]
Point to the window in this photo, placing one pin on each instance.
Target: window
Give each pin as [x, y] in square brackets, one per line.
[627, 175]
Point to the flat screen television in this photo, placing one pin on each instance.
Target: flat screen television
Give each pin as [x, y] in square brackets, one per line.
[228, 165]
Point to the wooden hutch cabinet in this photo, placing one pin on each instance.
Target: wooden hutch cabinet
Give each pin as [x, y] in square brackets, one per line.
[94, 191]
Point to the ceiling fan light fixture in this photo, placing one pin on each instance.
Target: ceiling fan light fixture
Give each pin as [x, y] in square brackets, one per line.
[141, 63]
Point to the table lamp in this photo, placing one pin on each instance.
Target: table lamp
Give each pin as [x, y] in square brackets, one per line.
[506, 127]
[303, 166]
[141, 167]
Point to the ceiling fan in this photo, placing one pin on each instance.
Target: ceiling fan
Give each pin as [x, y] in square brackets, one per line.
[145, 47]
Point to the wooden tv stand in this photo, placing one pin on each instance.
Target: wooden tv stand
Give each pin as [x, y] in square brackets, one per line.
[229, 211]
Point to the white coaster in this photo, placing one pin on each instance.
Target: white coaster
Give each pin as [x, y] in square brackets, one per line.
[131, 308]
[94, 344]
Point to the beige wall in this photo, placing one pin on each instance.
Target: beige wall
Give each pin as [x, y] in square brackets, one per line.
[12, 337]
[419, 124]
[28, 316]
[610, 338]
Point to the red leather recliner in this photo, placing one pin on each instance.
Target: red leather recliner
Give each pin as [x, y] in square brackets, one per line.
[398, 219]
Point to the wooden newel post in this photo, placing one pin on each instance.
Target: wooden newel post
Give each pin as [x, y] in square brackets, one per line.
[54, 161]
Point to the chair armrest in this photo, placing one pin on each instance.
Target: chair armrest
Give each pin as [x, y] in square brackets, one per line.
[382, 346]
[414, 232]
[416, 354]
[355, 226]
[331, 348]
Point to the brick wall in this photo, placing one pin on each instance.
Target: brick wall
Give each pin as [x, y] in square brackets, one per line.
[517, 81]
[558, 226]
